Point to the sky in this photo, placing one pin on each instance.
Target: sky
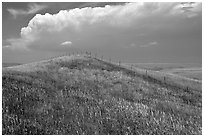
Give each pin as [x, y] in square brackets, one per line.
[129, 32]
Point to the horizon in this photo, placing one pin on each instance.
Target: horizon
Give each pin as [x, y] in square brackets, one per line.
[105, 59]
[131, 32]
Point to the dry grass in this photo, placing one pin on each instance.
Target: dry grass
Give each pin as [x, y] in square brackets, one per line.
[82, 95]
[165, 66]
[169, 78]
[192, 73]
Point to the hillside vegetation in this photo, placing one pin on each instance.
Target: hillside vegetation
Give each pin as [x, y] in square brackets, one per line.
[84, 95]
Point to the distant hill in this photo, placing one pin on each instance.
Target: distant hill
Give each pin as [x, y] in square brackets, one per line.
[188, 70]
[85, 95]
[10, 64]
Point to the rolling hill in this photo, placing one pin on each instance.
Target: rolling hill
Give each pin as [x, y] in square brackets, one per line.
[188, 70]
[86, 95]
[10, 64]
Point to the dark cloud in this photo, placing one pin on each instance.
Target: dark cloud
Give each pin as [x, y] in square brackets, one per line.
[31, 9]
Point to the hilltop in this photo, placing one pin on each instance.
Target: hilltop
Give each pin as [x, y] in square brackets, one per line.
[86, 95]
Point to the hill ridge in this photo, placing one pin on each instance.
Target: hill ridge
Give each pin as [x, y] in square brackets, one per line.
[161, 77]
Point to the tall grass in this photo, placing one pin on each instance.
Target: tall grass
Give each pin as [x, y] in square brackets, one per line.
[84, 95]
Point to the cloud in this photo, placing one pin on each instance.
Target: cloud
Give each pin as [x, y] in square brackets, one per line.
[132, 45]
[150, 44]
[18, 44]
[6, 46]
[66, 43]
[32, 8]
[50, 29]
[114, 16]
[190, 9]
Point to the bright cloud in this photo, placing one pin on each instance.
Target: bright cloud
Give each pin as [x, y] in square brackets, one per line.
[66, 43]
[68, 22]
[32, 8]
[150, 44]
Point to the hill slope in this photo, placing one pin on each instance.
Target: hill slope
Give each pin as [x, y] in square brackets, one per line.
[83, 95]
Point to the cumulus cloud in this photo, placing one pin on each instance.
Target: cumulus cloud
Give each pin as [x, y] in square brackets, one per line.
[154, 43]
[66, 43]
[32, 8]
[88, 19]
[77, 18]
[115, 16]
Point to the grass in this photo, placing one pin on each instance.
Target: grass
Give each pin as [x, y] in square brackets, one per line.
[188, 70]
[82, 95]
[165, 66]
[193, 73]
[168, 78]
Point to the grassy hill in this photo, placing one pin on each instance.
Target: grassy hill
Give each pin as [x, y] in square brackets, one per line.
[83, 95]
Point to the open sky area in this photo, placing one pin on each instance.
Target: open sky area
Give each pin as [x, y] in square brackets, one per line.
[130, 32]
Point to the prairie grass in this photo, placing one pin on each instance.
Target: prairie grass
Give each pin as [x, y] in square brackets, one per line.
[169, 78]
[82, 95]
[193, 73]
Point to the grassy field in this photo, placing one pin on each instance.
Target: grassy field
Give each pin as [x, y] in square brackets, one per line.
[193, 73]
[188, 70]
[83, 95]
[166, 77]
